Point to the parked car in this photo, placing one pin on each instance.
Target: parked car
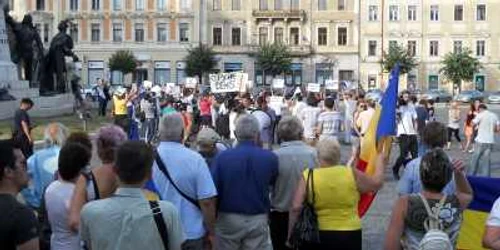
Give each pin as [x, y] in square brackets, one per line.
[437, 95]
[374, 95]
[494, 97]
[470, 96]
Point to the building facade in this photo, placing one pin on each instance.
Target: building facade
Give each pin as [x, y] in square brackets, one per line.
[429, 29]
[322, 36]
[158, 32]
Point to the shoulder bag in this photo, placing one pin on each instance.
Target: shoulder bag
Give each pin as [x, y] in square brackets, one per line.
[160, 222]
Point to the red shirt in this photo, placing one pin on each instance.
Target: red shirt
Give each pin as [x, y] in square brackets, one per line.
[205, 107]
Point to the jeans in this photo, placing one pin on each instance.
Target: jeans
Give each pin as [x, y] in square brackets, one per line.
[103, 103]
[148, 129]
[483, 150]
[408, 144]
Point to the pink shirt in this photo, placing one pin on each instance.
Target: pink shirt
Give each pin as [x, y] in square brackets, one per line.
[205, 107]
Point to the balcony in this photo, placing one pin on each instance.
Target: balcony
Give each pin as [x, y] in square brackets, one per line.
[279, 14]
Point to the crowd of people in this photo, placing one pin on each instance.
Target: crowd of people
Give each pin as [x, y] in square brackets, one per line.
[235, 171]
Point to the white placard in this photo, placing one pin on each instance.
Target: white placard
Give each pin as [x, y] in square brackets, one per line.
[228, 82]
[278, 83]
[332, 84]
[147, 84]
[313, 87]
[156, 89]
[191, 82]
[297, 91]
[276, 103]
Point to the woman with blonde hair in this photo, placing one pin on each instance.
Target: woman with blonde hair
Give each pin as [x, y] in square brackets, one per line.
[454, 118]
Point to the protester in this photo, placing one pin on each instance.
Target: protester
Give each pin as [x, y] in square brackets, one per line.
[299, 105]
[365, 117]
[336, 191]
[356, 134]
[243, 176]
[411, 213]
[431, 110]
[470, 129]
[487, 125]
[433, 136]
[407, 133]
[22, 127]
[127, 220]
[80, 137]
[454, 124]
[43, 164]
[294, 156]
[206, 110]
[18, 224]
[148, 125]
[422, 119]
[329, 121]
[178, 169]
[167, 106]
[491, 238]
[309, 116]
[266, 118]
[350, 105]
[209, 145]
[120, 100]
[73, 158]
[133, 130]
[103, 96]
[100, 182]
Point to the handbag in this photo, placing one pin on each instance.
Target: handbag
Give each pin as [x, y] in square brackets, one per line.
[164, 170]
[306, 228]
[160, 222]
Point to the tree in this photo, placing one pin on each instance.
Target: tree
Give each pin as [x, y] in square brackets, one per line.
[273, 59]
[460, 66]
[123, 61]
[199, 61]
[398, 54]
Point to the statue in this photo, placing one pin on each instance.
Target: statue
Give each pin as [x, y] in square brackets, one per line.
[55, 63]
[26, 47]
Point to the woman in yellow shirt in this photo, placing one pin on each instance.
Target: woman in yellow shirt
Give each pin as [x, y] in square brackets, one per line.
[120, 100]
[337, 190]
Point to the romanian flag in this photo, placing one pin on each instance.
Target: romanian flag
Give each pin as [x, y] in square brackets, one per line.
[486, 191]
[379, 135]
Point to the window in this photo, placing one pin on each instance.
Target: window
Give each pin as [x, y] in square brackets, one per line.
[372, 48]
[236, 4]
[278, 4]
[372, 81]
[459, 12]
[412, 48]
[434, 12]
[139, 32]
[480, 48]
[46, 32]
[236, 36]
[481, 12]
[393, 13]
[294, 5]
[322, 5]
[412, 13]
[184, 32]
[161, 5]
[342, 36]
[40, 4]
[392, 44]
[323, 72]
[262, 35]
[139, 5]
[73, 32]
[217, 5]
[322, 36]
[457, 47]
[217, 36]
[294, 36]
[341, 5]
[117, 32]
[161, 32]
[95, 31]
[346, 75]
[433, 48]
[278, 35]
[162, 72]
[185, 5]
[73, 5]
[117, 5]
[263, 4]
[373, 13]
[433, 82]
[96, 4]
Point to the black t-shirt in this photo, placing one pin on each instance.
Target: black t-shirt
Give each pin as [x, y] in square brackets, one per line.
[18, 223]
[19, 116]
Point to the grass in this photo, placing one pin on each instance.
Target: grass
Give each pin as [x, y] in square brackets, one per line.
[73, 123]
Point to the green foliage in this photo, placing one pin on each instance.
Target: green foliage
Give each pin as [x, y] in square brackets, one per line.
[200, 60]
[123, 61]
[273, 59]
[458, 67]
[398, 54]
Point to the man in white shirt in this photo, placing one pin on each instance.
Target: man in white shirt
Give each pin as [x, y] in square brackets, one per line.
[350, 106]
[407, 133]
[365, 117]
[491, 239]
[487, 125]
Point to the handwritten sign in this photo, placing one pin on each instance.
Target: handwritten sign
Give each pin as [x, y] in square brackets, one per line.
[332, 84]
[278, 83]
[313, 87]
[276, 103]
[191, 82]
[228, 82]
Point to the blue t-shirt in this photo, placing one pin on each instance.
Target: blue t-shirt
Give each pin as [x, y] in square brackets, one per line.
[410, 182]
[191, 175]
[243, 176]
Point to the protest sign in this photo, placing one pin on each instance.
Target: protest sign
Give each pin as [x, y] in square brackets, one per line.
[191, 82]
[147, 84]
[276, 103]
[313, 87]
[331, 84]
[227, 82]
[278, 83]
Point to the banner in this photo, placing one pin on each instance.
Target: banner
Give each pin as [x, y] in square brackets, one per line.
[314, 87]
[278, 83]
[191, 82]
[228, 82]
[331, 84]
